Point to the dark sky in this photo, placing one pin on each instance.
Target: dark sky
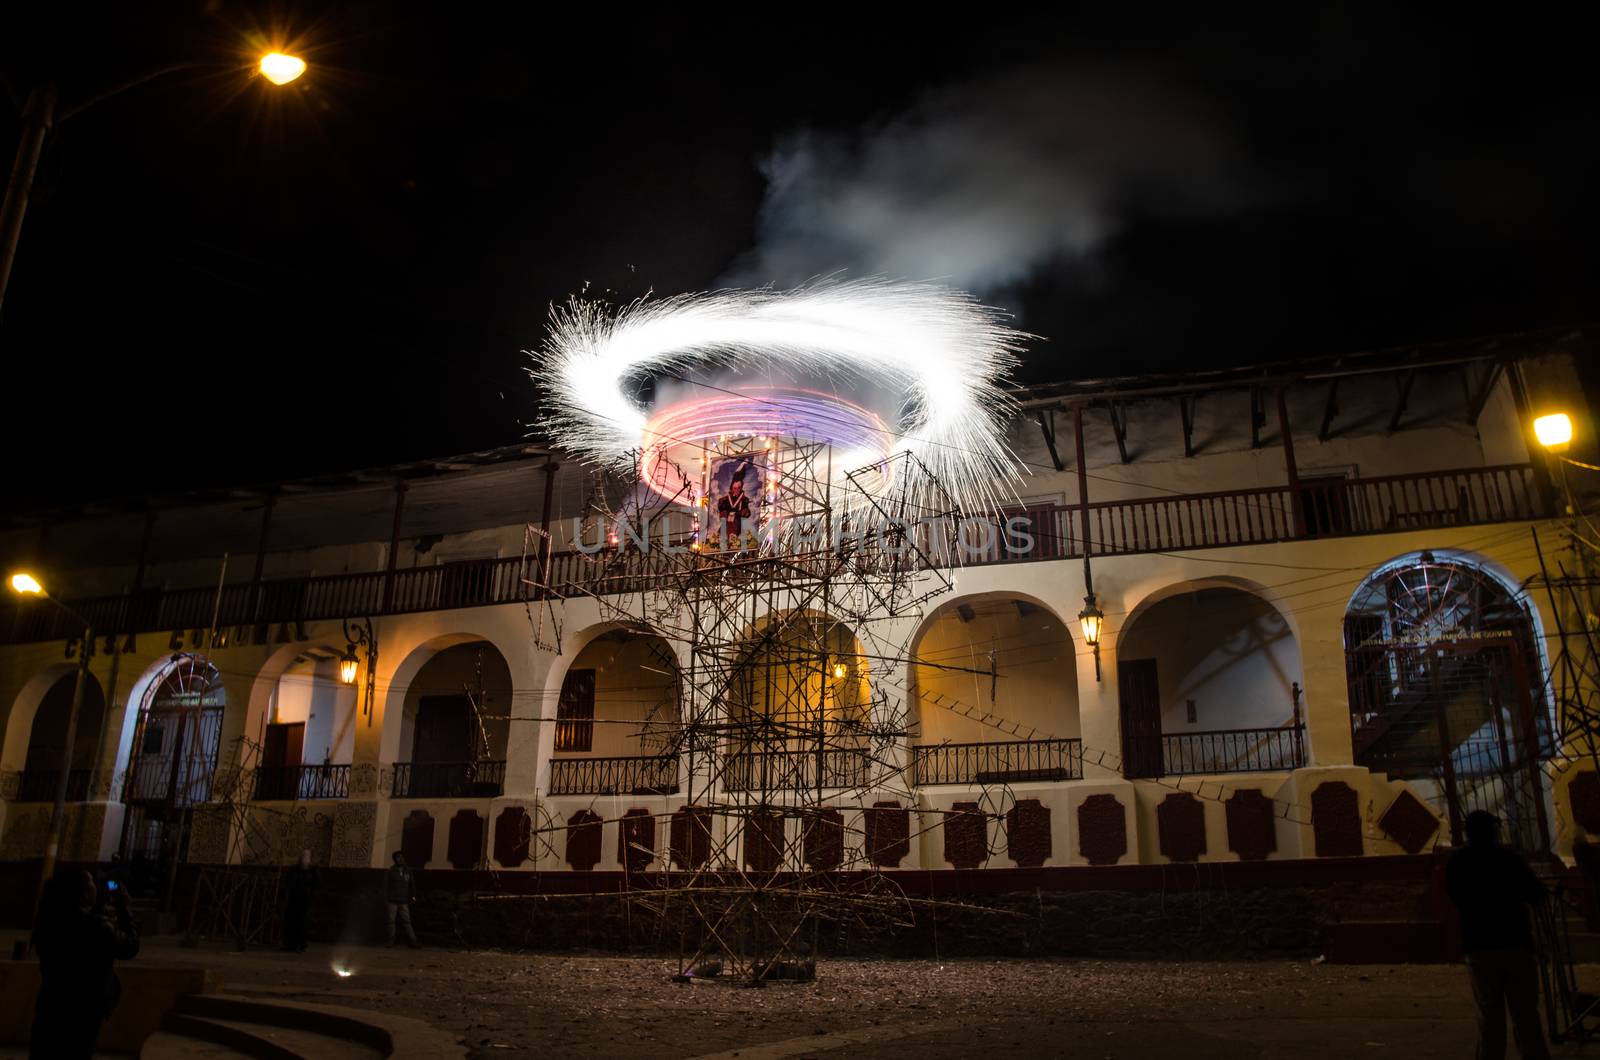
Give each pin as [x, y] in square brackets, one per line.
[218, 283]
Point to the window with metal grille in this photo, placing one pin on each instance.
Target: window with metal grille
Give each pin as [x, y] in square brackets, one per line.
[575, 712]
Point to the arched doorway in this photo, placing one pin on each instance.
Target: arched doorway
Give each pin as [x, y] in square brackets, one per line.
[176, 741]
[617, 719]
[799, 707]
[308, 733]
[1208, 680]
[995, 682]
[1446, 690]
[454, 724]
[47, 739]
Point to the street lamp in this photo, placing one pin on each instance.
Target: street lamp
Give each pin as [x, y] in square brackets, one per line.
[1554, 431]
[280, 69]
[40, 115]
[1091, 620]
[26, 584]
[360, 634]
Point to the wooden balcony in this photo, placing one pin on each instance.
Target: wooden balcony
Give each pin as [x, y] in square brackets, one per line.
[1176, 522]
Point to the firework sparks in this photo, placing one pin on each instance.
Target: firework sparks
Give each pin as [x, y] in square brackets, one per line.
[943, 355]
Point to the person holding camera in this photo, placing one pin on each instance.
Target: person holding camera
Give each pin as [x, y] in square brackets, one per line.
[78, 934]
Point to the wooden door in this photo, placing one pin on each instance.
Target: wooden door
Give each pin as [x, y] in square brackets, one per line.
[443, 731]
[1139, 693]
[280, 761]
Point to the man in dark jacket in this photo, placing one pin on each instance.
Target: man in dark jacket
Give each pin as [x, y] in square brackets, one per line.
[77, 940]
[299, 885]
[399, 890]
[1492, 888]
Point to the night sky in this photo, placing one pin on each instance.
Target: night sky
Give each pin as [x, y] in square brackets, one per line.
[220, 283]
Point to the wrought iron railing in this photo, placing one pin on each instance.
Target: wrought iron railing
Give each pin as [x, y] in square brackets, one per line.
[1117, 527]
[39, 785]
[1008, 761]
[1233, 751]
[302, 782]
[796, 770]
[628, 775]
[448, 780]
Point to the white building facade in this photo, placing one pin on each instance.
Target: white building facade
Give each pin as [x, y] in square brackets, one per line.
[1327, 633]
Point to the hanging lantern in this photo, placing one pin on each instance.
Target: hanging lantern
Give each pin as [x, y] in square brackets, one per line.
[348, 664]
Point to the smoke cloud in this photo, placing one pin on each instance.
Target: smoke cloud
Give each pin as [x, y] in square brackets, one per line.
[980, 185]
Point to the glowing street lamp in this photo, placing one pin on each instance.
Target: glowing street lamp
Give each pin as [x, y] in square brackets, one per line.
[349, 663]
[1091, 620]
[1554, 431]
[23, 582]
[280, 68]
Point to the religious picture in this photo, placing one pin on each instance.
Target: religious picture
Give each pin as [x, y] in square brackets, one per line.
[733, 482]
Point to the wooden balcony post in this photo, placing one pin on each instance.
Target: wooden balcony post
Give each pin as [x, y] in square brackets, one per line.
[1083, 479]
[550, 469]
[1296, 503]
[394, 545]
[254, 612]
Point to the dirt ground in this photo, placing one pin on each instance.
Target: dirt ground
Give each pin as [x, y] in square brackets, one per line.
[506, 1005]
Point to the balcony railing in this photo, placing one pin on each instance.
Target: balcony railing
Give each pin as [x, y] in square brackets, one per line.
[1320, 508]
[631, 775]
[448, 780]
[796, 770]
[1010, 761]
[39, 785]
[1233, 751]
[302, 782]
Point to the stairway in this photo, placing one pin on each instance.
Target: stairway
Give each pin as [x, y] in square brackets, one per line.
[216, 1026]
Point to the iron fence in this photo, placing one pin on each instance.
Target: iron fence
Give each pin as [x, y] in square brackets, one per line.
[448, 780]
[623, 775]
[1010, 761]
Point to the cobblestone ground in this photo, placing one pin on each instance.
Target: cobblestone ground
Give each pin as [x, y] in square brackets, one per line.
[511, 1005]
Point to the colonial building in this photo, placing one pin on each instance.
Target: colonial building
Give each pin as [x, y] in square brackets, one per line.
[1321, 624]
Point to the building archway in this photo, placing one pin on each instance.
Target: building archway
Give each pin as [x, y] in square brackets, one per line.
[455, 719]
[994, 680]
[1446, 689]
[307, 730]
[618, 717]
[172, 761]
[41, 769]
[799, 698]
[1208, 679]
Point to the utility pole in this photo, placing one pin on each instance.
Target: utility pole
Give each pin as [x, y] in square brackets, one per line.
[38, 115]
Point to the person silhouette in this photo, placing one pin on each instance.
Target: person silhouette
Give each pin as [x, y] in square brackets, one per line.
[1492, 888]
[77, 942]
[299, 885]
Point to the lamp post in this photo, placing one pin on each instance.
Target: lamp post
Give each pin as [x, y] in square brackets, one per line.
[1091, 619]
[40, 116]
[1554, 432]
[360, 634]
[27, 585]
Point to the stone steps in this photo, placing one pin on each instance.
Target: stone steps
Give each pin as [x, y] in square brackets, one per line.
[204, 1026]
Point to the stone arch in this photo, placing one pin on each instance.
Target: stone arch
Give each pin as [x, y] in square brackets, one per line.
[811, 657]
[1445, 678]
[637, 709]
[404, 651]
[265, 687]
[448, 715]
[1033, 684]
[19, 722]
[41, 744]
[1221, 643]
